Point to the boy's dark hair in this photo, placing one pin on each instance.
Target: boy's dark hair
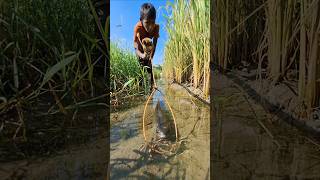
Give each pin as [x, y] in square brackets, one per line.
[147, 11]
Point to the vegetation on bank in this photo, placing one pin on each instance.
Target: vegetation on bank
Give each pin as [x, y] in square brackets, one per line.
[49, 51]
[127, 77]
[187, 51]
[278, 37]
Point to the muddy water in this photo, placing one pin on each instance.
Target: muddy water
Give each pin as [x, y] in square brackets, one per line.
[191, 162]
[82, 155]
[88, 161]
[250, 143]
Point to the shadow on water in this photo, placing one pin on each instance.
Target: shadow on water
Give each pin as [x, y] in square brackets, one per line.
[143, 160]
[192, 119]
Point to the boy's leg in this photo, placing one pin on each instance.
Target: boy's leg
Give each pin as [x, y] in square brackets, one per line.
[149, 70]
[144, 63]
[151, 75]
[151, 79]
[141, 62]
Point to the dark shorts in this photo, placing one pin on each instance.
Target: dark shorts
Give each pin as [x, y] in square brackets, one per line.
[146, 63]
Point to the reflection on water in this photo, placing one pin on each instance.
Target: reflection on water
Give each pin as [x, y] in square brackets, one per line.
[193, 122]
[246, 145]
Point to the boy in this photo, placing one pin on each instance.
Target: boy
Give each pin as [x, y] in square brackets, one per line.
[146, 28]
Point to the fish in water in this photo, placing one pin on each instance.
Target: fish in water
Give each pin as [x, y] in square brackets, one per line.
[162, 125]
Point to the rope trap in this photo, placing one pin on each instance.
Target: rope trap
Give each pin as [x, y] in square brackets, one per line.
[157, 146]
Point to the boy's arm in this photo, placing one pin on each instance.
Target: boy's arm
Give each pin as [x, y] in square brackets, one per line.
[155, 40]
[138, 52]
[136, 45]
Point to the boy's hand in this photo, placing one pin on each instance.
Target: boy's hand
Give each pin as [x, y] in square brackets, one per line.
[141, 55]
[145, 57]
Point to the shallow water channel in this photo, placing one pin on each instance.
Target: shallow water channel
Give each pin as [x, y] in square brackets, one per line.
[126, 136]
[250, 143]
[77, 161]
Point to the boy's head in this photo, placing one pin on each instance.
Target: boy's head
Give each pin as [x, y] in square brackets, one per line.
[148, 16]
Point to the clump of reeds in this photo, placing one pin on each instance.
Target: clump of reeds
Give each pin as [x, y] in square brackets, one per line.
[48, 48]
[309, 65]
[281, 25]
[292, 28]
[187, 52]
[278, 35]
[157, 70]
[238, 31]
[126, 75]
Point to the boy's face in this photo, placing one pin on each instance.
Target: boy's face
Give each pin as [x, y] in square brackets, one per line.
[148, 24]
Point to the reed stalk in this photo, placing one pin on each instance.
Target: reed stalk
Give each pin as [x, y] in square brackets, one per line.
[187, 52]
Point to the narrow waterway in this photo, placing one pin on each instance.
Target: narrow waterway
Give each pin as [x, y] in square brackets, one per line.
[193, 159]
[250, 143]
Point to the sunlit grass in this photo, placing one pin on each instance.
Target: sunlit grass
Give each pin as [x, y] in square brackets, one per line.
[187, 52]
[126, 75]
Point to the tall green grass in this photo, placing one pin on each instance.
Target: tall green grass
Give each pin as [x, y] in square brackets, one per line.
[187, 52]
[157, 71]
[126, 75]
[49, 49]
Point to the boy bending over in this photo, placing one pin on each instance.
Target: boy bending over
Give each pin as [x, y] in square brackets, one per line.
[146, 28]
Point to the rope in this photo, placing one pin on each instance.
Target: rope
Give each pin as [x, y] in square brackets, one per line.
[173, 117]
[144, 114]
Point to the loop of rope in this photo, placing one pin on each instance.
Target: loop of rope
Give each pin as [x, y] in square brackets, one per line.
[173, 117]
[144, 114]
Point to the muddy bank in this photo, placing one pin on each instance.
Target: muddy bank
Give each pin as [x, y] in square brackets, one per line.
[86, 161]
[248, 143]
[57, 146]
[279, 99]
[127, 161]
[195, 92]
[45, 135]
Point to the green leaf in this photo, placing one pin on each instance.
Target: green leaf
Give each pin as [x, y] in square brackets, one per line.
[57, 67]
[127, 83]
